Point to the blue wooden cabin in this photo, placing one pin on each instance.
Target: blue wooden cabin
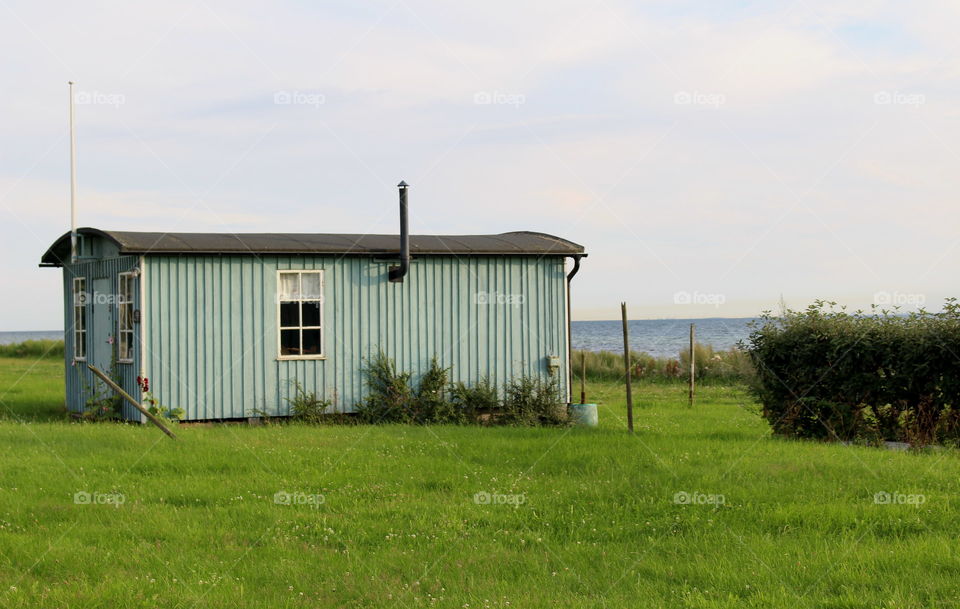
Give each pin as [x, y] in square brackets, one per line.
[225, 325]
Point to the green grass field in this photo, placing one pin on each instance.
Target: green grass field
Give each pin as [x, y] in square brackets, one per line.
[700, 508]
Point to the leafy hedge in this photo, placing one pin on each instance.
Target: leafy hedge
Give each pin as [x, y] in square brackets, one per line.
[828, 374]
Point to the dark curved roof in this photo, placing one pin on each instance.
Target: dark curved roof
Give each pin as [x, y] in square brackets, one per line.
[136, 243]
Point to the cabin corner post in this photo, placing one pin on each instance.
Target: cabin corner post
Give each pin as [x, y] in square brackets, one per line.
[142, 288]
[569, 278]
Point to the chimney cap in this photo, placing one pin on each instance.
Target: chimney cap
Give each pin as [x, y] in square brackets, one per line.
[402, 184]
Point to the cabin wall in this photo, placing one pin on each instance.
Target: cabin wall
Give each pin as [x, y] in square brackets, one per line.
[101, 316]
[211, 326]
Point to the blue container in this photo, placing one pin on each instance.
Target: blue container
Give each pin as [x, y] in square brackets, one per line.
[584, 415]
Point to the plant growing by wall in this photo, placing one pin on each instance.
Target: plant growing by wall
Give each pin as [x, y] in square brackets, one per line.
[527, 400]
[305, 406]
[475, 403]
[430, 404]
[390, 396]
[154, 406]
[530, 401]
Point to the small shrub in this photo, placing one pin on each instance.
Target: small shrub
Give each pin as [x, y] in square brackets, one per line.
[305, 406]
[431, 404]
[475, 403]
[531, 401]
[390, 395]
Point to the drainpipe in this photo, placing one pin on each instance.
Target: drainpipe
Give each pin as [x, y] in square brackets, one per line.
[397, 272]
[570, 276]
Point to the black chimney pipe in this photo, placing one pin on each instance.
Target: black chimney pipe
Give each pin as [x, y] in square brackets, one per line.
[397, 272]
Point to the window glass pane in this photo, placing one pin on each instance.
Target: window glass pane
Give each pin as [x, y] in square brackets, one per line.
[289, 314]
[79, 298]
[289, 287]
[311, 342]
[289, 342]
[311, 285]
[124, 349]
[311, 313]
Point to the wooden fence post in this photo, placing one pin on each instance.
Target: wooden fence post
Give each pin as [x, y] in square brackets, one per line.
[693, 366]
[583, 377]
[626, 365]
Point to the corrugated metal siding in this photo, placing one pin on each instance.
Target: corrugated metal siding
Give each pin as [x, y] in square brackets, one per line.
[80, 382]
[211, 335]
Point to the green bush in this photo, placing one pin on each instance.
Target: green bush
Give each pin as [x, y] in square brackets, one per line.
[33, 348]
[531, 401]
[390, 396]
[828, 374]
[305, 406]
[476, 403]
[431, 404]
[392, 399]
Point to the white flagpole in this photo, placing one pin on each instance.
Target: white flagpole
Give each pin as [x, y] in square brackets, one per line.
[73, 182]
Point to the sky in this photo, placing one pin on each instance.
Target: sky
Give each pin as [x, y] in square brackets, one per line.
[714, 158]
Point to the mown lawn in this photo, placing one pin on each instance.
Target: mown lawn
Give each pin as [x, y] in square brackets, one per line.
[387, 516]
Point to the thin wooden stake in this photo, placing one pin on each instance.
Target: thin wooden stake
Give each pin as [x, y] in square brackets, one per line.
[106, 379]
[583, 377]
[693, 367]
[626, 365]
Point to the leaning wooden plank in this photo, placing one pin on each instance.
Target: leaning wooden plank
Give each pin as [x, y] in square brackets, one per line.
[106, 379]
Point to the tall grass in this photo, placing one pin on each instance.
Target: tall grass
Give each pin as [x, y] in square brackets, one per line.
[709, 364]
[33, 348]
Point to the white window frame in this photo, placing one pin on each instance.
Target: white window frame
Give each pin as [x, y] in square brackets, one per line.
[122, 301]
[79, 333]
[322, 327]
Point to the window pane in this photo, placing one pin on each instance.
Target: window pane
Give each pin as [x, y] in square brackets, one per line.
[124, 350]
[289, 314]
[311, 313]
[289, 342]
[311, 342]
[311, 285]
[289, 287]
